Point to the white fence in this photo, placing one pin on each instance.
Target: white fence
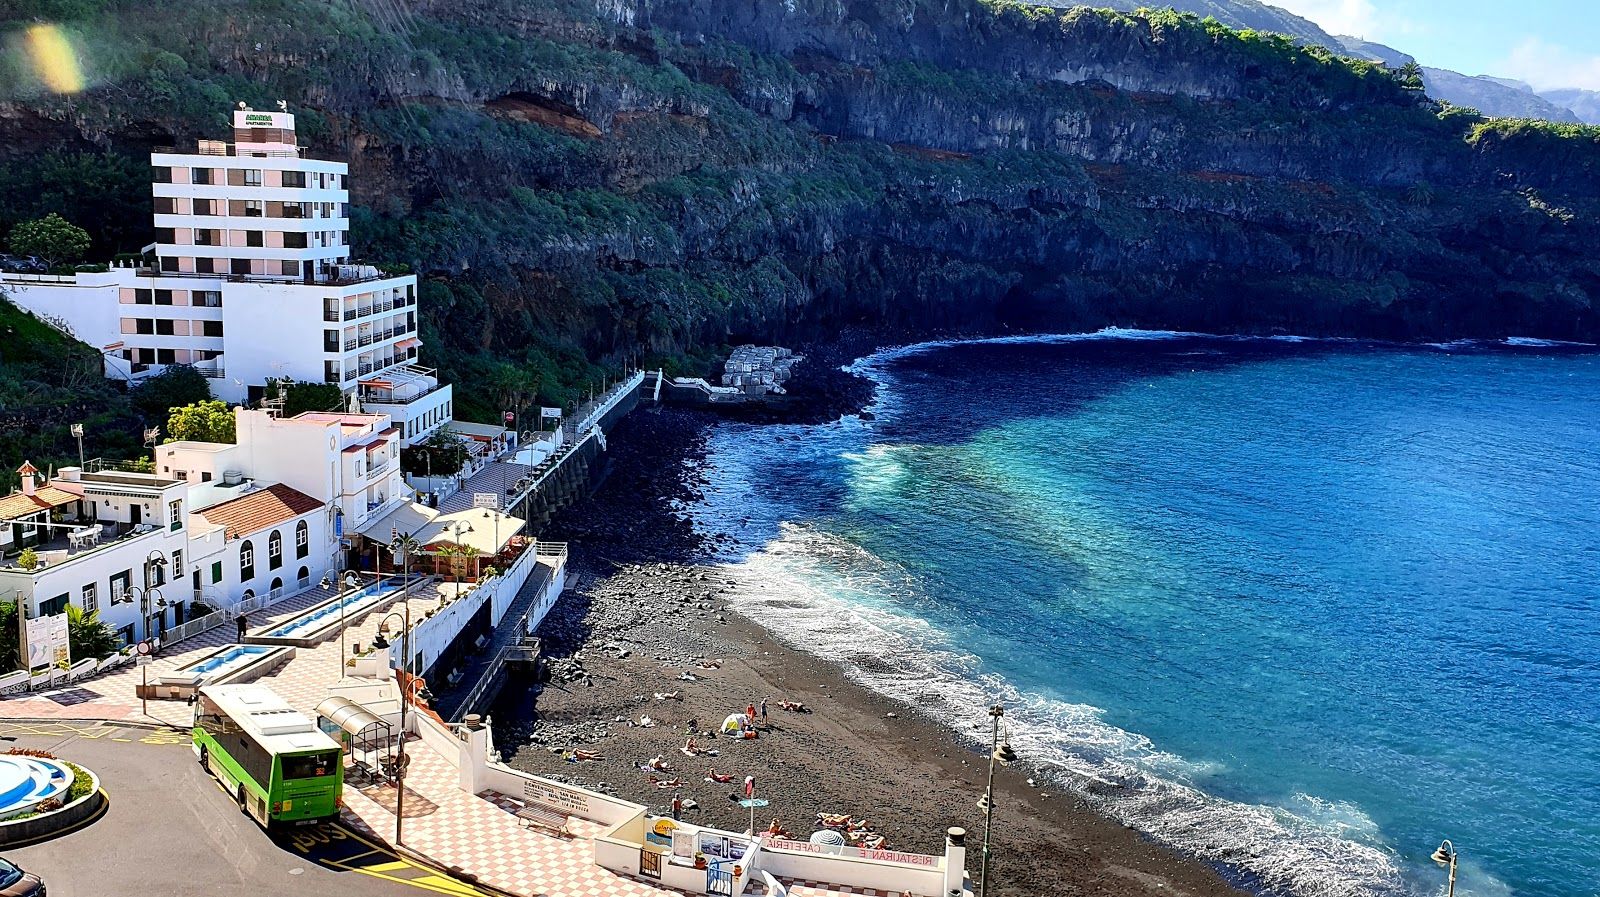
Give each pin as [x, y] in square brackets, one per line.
[228, 614]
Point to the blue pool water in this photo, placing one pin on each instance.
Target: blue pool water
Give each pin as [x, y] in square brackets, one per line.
[234, 656]
[314, 620]
[1302, 609]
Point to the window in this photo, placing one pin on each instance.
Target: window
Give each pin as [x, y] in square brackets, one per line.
[208, 298]
[294, 240]
[166, 356]
[254, 238]
[177, 565]
[274, 550]
[210, 328]
[175, 514]
[291, 268]
[91, 601]
[205, 476]
[166, 235]
[241, 266]
[216, 567]
[165, 205]
[54, 606]
[309, 766]
[205, 206]
[294, 179]
[120, 583]
[161, 174]
[252, 177]
[168, 263]
[204, 265]
[201, 176]
[164, 327]
[163, 297]
[302, 540]
[247, 561]
[143, 297]
[253, 208]
[145, 326]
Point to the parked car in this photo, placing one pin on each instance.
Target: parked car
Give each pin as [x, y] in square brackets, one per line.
[22, 264]
[16, 883]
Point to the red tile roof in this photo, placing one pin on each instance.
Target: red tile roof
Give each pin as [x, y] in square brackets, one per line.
[17, 505]
[258, 510]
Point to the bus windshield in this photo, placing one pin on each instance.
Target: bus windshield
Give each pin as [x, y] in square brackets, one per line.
[309, 766]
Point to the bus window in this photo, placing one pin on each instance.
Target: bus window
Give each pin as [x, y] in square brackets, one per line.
[309, 766]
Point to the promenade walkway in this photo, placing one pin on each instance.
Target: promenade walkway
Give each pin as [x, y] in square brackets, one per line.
[488, 665]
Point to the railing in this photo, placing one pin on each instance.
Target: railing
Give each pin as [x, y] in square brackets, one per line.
[376, 469]
[333, 315]
[649, 863]
[211, 371]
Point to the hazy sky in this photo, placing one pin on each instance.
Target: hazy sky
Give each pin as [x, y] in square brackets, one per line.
[1548, 43]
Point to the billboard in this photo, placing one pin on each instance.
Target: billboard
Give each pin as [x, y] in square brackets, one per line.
[47, 642]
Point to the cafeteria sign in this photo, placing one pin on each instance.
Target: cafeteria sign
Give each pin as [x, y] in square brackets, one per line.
[47, 642]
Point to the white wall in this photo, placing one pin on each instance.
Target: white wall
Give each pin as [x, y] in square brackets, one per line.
[90, 308]
[273, 330]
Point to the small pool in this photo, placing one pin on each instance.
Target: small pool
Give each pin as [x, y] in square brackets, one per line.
[24, 781]
[237, 655]
[324, 615]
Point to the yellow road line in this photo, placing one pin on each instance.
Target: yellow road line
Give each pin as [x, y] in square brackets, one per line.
[436, 883]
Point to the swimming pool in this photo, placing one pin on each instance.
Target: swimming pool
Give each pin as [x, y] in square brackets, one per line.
[323, 619]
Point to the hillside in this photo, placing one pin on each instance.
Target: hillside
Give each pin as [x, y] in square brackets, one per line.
[586, 182]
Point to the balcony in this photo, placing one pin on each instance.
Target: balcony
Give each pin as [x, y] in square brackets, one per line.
[65, 545]
[378, 469]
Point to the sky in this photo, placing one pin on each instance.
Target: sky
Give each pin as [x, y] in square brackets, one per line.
[1548, 43]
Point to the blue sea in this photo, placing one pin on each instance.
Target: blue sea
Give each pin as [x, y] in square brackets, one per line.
[1302, 609]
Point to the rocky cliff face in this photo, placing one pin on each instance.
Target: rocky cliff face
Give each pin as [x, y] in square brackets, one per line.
[623, 177]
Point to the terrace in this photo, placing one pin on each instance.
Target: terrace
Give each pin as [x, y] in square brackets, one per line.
[67, 542]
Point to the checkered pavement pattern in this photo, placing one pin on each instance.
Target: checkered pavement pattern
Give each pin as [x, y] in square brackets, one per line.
[801, 888]
[460, 831]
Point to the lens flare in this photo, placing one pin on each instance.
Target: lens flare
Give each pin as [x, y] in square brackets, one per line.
[53, 59]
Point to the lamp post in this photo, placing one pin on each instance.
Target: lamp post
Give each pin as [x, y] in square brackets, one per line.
[1446, 856]
[407, 686]
[349, 581]
[148, 597]
[999, 752]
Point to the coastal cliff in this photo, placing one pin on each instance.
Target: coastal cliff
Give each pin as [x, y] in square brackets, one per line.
[584, 182]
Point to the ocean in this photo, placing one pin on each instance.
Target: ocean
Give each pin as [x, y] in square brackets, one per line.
[1299, 608]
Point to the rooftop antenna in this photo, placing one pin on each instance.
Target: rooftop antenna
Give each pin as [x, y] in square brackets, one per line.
[242, 106]
[283, 105]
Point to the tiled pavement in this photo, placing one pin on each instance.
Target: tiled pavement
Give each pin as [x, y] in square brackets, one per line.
[461, 832]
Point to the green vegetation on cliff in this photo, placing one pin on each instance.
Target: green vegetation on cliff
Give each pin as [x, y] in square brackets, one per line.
[584, 184]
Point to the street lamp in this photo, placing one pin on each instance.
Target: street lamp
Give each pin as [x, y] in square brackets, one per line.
[148, 597]
[999, 752]
[349, 581]
[407, 685]
[1446, 856]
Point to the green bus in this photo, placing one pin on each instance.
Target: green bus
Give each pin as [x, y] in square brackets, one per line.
[273, 759]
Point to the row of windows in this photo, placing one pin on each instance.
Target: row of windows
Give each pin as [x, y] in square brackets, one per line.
[198, 298]
[119, 588]
[430, 420]
[243, 177]
[251, 238]
[203, 265]
[167, 327]
[247, 551]
[169, 356]
[250, 208]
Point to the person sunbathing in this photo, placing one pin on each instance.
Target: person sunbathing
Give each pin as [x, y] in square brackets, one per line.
[834, 820]
[875, 842]
[711, 665]
[690, 749]
[666, 783]
[776, 829]
[587, 755]
[793, 707]
[659, 764]
[720, 778]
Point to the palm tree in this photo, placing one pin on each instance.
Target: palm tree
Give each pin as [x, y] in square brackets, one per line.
[88, 635]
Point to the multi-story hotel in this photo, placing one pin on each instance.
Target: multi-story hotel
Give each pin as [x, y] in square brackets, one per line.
[250, 280]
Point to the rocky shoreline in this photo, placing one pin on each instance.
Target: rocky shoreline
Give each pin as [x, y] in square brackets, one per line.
[643, 648]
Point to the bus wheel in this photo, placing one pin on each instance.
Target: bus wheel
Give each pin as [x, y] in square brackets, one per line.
[205, 755]
[239, 796]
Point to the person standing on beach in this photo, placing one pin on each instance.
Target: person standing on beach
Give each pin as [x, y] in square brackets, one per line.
[677, 806]
[750, 713]
[763, 713]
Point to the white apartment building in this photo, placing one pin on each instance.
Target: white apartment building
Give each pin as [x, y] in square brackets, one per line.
[214, 524]
[250, 280]
[105, 539]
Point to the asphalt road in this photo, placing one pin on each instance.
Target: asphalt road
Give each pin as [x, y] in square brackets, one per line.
[172, 831]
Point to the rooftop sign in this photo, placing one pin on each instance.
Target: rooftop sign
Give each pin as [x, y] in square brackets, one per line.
[246, 118]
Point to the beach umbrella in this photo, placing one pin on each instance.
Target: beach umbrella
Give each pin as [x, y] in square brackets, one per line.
[827, 838]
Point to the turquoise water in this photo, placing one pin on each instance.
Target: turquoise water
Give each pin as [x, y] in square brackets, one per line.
[1300, 609]
[313, 620]
[227, 658]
